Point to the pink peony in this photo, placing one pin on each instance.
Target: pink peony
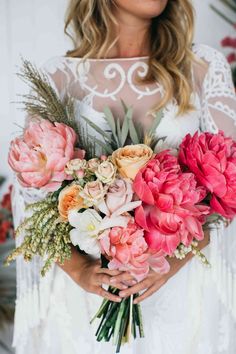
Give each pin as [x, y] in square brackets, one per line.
[170, 212]
[40, 155]
[128, 251]
[212, 158]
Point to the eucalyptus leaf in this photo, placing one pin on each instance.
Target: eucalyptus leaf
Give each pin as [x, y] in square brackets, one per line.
[106, 147]
[156, 122]
[125, 130]
[97, 128]
[133, 133]
[118, 128]
[110, 119]
[140, 132]
[124, 105]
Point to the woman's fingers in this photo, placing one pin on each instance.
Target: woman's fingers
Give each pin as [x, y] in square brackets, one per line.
[145, 294]
[135, 288]
[105, 279]
[110, 272]
[123, 277]
[107, 295]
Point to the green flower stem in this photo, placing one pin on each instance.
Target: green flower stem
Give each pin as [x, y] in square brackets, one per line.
[123, 325]
[103, 306]
[118, 322]
[129, 329]
[141, 331]
[107, 325]
[134, 326]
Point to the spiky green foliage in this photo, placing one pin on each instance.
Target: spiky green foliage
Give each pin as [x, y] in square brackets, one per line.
[122, 132]
[45, 235]
[43, 100]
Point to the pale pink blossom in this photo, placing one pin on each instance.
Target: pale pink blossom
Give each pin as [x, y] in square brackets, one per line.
[118, 199]
[41, 154]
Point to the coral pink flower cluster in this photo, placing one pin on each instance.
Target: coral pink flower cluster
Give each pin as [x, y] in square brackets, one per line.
[127, 250]
[171, 212]
[212, 158]
[40, 155]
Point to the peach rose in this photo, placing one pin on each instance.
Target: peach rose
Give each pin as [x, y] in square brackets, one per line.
[69, 198]
[131, 158]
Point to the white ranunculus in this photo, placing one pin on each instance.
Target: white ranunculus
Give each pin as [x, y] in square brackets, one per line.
[87, 227]
[90, 245]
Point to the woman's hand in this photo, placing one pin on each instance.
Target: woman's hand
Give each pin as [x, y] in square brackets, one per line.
[91, 278]
[88, 274]
[154, 281]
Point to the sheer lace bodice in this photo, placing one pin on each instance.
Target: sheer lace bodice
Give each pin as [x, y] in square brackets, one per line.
[179, 316]
[99, 82]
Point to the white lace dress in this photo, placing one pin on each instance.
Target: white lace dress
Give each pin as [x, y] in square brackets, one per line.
[195, 311]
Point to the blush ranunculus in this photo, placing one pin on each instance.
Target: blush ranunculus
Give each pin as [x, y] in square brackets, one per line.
[212, 158]
[170, 212]
[127, 250]
[41, 154]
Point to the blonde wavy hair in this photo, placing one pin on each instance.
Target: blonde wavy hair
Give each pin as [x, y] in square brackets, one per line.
[171, 37]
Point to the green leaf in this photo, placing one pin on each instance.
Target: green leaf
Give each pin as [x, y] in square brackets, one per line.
[110, 119]
[156, 122]
[140, 132]
[132, 132]
[124, 105]
[125, 130]
[118, 131]
[104, 146]
[97, 128]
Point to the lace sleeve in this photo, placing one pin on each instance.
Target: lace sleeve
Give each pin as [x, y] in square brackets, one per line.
[32, 290]
[218, 96]
[219, 113]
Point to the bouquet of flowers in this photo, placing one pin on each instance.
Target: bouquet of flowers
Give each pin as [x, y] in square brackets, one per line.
[129, 205]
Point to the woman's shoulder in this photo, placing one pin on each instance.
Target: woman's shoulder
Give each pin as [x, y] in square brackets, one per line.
[207, 53]
[210, 65]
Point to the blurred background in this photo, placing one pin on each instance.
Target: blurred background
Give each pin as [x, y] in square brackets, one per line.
[33, 29]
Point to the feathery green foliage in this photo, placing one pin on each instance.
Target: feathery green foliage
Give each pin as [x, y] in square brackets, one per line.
[45, 235]
[122, 132]
[43, 100]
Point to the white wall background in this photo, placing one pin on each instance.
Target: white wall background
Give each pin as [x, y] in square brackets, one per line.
[34, 29]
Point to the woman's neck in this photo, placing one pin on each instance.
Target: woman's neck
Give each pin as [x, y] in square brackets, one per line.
[133, 35]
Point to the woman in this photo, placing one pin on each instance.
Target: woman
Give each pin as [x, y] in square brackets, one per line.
[142, 52]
